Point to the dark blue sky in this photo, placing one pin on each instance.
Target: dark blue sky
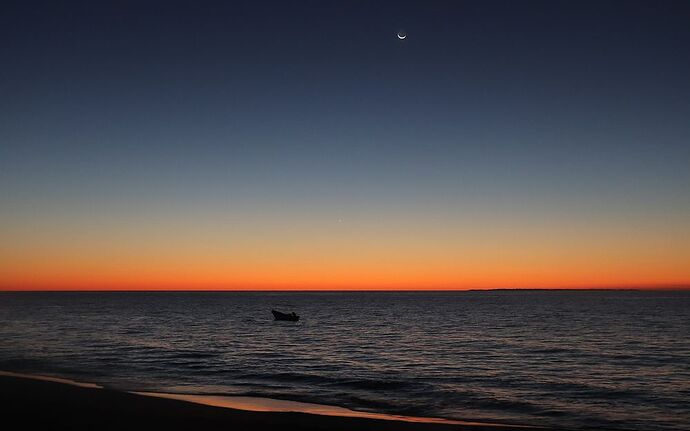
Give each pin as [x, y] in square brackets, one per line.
[546, 110]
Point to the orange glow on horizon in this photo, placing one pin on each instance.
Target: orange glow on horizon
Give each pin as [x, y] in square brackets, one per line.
[138, 285]
[301, 273]
[291, 253]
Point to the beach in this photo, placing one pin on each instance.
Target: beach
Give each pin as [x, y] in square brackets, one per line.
[60, 405]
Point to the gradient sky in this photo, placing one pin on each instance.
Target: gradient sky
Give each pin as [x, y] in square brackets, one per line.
[259, 144]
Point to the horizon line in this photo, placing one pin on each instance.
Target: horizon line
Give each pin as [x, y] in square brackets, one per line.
[661, 288]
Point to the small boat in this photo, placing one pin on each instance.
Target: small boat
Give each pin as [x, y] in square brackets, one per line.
[292, 317]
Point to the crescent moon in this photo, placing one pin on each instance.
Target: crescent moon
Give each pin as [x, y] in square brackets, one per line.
[402, 36]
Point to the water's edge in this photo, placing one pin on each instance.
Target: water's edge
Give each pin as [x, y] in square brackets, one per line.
[259, 404]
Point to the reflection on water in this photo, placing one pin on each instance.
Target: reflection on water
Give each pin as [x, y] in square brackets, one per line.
[51, 379]
[576, 359]
[257, 404]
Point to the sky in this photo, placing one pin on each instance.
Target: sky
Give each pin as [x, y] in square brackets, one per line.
[303, 145]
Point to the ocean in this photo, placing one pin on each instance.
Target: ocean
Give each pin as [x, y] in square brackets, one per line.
[575, 359]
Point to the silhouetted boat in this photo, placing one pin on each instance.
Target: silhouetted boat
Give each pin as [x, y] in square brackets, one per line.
[292, 317]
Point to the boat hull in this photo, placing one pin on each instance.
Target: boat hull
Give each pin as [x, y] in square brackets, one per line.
[277, 315]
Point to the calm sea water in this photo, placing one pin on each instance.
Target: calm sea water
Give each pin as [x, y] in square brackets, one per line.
[573, 359]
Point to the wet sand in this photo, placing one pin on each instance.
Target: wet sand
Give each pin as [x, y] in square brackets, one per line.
[63, 405]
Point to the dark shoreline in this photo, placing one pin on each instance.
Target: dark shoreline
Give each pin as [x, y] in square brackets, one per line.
[53, 405]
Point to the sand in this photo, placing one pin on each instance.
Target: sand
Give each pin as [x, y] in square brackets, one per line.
[64, 405]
